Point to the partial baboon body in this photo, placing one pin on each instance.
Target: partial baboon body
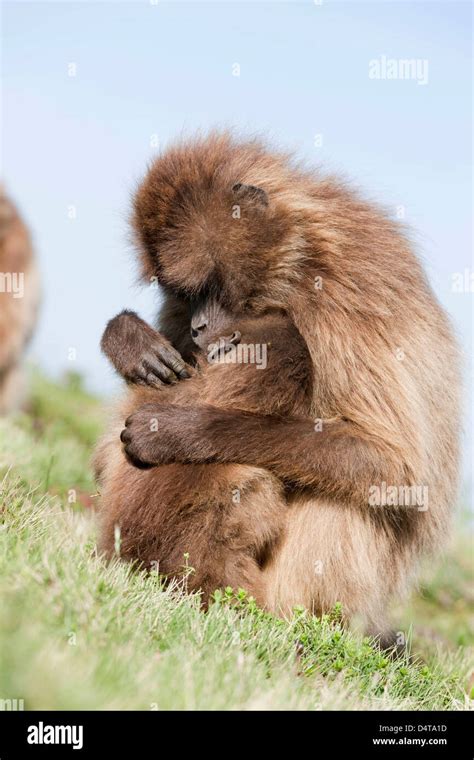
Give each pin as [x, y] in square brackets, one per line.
[19, 297]
[385, 366]
[222, 520]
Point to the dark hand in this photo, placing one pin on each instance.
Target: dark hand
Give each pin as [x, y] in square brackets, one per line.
[163, 433]
[141, 354]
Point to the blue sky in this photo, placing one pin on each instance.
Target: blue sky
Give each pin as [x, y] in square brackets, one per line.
[165, 69]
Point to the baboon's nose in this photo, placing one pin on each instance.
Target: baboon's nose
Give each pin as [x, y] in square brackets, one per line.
[198, 328]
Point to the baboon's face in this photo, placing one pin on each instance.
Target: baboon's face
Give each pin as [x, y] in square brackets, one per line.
[210, 321]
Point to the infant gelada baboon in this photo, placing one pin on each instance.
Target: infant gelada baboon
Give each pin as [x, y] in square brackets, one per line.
[219, 214]
[220, 520]
[19, 299]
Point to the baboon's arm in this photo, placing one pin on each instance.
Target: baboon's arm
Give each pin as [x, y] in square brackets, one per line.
[141, 354]
[340, 460]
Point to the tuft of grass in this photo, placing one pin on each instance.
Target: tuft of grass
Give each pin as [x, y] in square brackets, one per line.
[76, 633]
[49, 444]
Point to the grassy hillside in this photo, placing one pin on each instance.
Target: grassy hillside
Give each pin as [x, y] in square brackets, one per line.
[77, 634]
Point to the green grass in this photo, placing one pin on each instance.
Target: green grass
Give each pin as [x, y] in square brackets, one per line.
[78, 634]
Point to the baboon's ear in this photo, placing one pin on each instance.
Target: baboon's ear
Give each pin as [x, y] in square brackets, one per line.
[255, 194]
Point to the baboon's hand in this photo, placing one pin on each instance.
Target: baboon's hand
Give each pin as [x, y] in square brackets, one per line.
[163, 433]
[141, 354]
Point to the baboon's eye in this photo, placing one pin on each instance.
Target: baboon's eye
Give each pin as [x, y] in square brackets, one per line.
[252, 192]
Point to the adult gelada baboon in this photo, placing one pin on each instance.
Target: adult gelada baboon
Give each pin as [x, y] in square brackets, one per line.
[384, 418]
[19, 298]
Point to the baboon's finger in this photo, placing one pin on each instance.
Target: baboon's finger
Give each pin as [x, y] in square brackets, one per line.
[155, 367]
[139, 373]
[172, 359]
[153, 380]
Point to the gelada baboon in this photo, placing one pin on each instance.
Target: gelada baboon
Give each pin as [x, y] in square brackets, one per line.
[384, 420]
[223, 518]
[19, 298]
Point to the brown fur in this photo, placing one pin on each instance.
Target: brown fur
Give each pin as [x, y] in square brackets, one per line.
[224, 517]
[385, 365]
[17, 314]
